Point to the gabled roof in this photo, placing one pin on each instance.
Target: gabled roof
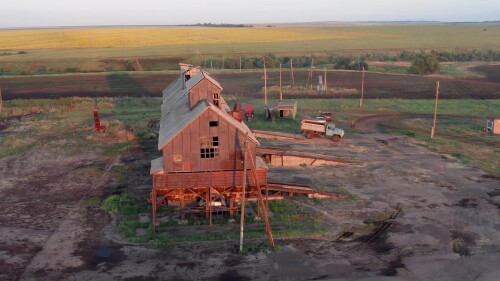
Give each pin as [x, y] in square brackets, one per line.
[176, 113]
[238, 125]
[180, 116]
[198, 77]
[286, 104]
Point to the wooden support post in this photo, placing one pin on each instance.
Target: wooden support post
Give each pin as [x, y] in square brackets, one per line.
[433, 130]
[281, 88]
[231, 206]
[207, 207]
[267, 197]
[210, 204]
[183, 206]
[240, 64]
[293, 78]
[244, 185]
[362, 87]
[260, 199]
[153, 206]
[265, 83]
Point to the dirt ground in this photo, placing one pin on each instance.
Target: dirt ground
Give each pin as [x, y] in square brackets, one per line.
[437, 220]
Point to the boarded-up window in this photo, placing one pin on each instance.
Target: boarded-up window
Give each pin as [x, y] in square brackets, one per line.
[177, 158]
[209, 147]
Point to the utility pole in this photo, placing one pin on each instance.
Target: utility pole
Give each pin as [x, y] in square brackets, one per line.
[244, 185]
[324, 85]
[281, 89]
[265, 83]
[433, 130]
[1, 103]
[311, 73]
[291, 67]
[362, 87]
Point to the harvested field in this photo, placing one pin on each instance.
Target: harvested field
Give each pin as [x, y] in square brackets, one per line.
[248, 85]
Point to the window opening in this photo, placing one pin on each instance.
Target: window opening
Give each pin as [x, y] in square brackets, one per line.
[209, 147]
[213, 123]
[216, 99]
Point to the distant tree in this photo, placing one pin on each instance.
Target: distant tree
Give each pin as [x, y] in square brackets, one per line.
[271, 60]
[424, 64]
[343, 63]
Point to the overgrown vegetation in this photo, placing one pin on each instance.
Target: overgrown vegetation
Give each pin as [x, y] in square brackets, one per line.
[68, 123]
[424, 64]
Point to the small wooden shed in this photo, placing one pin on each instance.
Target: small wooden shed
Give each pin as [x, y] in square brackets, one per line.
[287, 108]
[496, 126]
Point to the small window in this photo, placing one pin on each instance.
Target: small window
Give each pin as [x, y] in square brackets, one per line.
[213, 123]
[209, 147]
[209, 152]
[216, 99]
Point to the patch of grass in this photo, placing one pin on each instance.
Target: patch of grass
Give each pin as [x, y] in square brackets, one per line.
[350, 195]
[461, 138]
[458, 71]
[129, 227]
[117, 148]
[112, 204]
[92, 202]
[388, 68]
[120, 204]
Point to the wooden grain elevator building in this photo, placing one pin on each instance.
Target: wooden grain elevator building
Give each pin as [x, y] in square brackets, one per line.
[203, 148]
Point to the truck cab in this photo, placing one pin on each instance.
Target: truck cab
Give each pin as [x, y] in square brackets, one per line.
[327, 116]
[335, 133]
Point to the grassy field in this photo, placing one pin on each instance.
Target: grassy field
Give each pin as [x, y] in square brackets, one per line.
[88, 48]
[230, 40]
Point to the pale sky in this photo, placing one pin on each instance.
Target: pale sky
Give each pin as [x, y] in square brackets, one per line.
[36, 13]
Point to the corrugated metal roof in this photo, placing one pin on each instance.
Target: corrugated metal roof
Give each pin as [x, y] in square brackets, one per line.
[224, 105]
[156, 166]
[177, 114]
[239, 125]
[260, 163]
[173, 87]
[286, 104]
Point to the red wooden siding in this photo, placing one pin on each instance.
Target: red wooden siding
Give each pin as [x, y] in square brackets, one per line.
[182, 153]
[214, 179]
[203, 91]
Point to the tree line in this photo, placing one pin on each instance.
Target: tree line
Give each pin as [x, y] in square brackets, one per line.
[209, 24]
